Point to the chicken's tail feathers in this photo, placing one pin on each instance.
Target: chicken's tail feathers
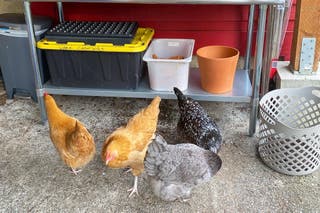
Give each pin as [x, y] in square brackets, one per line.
[213, 141]
[215, 147]
[79, 136]
[159, 144]
[51, 106]
[78, 126]
[153, 158]
[149, 115]
[153, 108]
[155, 102]
[179, 94]
[53, 109]
[214, 162]
[48, 98]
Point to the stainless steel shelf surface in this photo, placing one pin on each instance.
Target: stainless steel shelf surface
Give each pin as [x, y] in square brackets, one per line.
[231, 2]
[241, 91]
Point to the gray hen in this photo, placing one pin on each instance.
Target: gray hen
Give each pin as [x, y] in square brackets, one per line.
[174, 170]
[196, 125]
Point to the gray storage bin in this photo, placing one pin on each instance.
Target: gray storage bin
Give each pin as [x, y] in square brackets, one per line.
[15, 59]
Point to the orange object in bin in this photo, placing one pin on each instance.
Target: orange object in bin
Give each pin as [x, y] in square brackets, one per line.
[217, 66]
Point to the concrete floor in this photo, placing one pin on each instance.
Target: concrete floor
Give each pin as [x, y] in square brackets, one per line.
[34, 179]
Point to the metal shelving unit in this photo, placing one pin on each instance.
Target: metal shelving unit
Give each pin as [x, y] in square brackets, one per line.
[243, 90]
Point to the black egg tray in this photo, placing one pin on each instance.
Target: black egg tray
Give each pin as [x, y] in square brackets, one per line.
[91, 32]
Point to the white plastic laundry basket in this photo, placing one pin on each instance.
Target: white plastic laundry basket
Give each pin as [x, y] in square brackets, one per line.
[290, 130]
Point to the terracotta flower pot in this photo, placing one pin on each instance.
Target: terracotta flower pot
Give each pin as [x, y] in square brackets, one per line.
[217, 66]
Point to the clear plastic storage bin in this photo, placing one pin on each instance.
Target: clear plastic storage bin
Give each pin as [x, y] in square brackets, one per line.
[168, 63]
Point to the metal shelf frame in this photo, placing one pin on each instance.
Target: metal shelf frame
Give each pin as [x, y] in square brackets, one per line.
[242, 91]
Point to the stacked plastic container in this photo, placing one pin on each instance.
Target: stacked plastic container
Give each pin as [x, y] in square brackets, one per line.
[96, 54]
[168, 63]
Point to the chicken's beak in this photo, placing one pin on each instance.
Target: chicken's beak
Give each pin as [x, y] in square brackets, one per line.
[107, 161]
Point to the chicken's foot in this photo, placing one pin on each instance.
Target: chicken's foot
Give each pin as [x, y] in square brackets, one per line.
[127, 170]
[134, 189]
[74, 171]
[184, 200]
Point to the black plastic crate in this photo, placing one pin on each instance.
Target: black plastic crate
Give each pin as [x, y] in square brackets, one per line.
[95, 70]
[97, 66]
[118, 33]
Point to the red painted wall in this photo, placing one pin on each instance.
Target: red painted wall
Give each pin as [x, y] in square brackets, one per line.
[207, 24]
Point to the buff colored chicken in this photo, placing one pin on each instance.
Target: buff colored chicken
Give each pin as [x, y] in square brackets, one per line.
[69, 136]
[127, 145]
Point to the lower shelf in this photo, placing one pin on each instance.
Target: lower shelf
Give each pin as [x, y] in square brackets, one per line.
[241, 92]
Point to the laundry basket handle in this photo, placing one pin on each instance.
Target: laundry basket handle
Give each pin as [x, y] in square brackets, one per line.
[306, 92]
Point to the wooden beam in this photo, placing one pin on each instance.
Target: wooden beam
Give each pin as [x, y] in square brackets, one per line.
[307, 24]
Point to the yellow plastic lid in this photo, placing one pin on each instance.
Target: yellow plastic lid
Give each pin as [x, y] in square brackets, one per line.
[139, 43]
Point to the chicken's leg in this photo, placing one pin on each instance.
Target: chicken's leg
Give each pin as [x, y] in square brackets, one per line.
[127, 170]
[134, 189]
[74, 171]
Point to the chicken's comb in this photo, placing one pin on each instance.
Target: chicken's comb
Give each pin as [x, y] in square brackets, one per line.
[45, 94]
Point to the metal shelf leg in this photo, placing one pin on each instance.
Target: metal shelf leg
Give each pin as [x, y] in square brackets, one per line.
[60, 11]
[249, 38]
[257, 69]
[272, 46]
[34, 59]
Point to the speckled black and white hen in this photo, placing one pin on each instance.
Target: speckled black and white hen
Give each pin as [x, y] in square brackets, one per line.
[196, 125]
